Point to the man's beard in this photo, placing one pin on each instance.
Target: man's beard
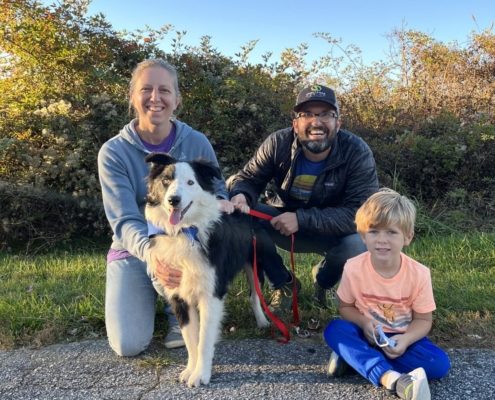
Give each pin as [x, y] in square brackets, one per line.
[318, 145]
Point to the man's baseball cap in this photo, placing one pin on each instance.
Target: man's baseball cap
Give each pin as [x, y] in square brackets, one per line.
[319, 93]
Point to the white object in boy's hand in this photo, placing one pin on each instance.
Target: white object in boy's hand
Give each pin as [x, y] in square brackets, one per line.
[382, 340]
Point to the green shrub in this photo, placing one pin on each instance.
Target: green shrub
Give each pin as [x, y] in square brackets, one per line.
[33, 217]
[235, 107]
[443, 162]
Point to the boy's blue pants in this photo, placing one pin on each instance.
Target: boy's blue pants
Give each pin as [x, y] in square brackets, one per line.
[349, 342]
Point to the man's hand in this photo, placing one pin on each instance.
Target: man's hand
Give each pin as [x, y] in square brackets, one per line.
[168, 276]
[240, 203]
[286, 223]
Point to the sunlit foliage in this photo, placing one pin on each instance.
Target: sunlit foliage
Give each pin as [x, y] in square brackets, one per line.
[427, 110]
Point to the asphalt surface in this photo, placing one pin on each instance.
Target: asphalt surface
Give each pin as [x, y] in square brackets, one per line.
[243, 369]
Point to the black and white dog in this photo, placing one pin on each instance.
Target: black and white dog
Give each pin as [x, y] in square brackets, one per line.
[209, 247]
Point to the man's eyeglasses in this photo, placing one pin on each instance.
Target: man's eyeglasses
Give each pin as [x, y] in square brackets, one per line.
[324, 116]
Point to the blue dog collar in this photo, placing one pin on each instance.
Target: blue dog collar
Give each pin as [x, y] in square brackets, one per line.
[190, 232]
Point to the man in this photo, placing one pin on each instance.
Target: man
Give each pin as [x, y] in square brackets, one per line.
[320, 175]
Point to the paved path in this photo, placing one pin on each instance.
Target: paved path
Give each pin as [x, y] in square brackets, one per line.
[243, 369]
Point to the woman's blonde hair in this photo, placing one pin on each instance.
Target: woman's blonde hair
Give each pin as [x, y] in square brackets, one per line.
[150, 63]
[386, 208]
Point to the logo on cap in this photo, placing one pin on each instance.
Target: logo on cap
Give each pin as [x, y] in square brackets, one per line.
[315, 92]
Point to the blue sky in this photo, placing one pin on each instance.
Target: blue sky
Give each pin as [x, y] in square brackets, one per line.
[281, 24]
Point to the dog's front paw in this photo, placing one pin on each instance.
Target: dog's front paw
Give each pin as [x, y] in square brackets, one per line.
[197, 378]
[184, 375]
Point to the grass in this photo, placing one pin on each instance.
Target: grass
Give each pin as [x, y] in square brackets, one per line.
[52, 297]
[59, 295]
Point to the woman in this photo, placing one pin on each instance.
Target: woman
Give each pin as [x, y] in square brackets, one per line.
[130, 295]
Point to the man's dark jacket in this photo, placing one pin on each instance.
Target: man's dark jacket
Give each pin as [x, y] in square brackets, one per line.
[347, 180]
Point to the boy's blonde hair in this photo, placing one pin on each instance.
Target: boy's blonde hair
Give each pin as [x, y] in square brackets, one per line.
[386, 208]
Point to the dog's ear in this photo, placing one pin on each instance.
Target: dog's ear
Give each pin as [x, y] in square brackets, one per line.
[158, 163]
[206, 172]
[160, 158]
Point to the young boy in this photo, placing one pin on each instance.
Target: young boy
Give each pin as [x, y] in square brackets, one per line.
[385, 289]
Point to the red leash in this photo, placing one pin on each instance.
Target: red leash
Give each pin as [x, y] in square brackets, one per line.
[295, 312]
[260, 215]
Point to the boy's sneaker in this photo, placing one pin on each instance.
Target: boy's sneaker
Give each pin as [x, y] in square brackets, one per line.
[337, 367]
[413, 386]
[281, 299]
[174, 337]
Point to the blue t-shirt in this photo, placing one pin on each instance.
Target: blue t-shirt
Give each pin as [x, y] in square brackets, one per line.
[306, 172]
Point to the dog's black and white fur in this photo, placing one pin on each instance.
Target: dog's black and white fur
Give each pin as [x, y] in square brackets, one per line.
[180, 196]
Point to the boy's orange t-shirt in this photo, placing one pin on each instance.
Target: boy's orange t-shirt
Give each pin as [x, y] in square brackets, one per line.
[391, 301]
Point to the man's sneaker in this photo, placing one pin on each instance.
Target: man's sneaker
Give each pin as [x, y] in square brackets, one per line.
[413, 386]
[174, 338]
[337, 367]
[281, 299]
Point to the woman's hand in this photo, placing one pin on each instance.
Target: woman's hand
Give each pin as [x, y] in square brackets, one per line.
[225, 206]
[240, 203]
[168, 276]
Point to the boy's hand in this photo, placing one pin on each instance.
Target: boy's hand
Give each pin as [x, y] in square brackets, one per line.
[349, 312]
[368, 329]
[399, 349]
[418, 328]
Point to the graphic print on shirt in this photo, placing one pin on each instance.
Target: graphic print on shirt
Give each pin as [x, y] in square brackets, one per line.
[390, 312]
[302, 187]
[306, 172]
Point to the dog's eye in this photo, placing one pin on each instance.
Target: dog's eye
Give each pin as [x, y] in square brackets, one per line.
[166, 181]
[190, 182]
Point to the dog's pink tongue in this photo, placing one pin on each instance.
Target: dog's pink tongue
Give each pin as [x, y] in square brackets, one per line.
[174, 217]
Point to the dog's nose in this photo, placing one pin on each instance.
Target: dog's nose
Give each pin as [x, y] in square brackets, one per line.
[174, 200]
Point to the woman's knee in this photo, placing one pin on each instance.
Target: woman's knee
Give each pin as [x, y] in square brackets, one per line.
[127, 346]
